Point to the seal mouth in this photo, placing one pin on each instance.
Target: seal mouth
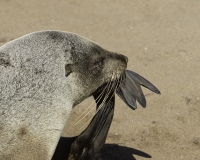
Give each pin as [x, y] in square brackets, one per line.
[107, 90]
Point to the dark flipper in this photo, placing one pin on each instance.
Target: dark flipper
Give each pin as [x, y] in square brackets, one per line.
[88, 145]
[143, 81]
[130, 90]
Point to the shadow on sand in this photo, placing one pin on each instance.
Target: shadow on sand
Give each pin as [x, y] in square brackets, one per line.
[109, 152]
[116, 152]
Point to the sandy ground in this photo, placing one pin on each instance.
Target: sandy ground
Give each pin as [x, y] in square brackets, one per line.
[162, 41]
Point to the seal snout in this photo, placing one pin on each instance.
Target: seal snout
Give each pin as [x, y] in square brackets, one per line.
[121, 57]
[126, 59]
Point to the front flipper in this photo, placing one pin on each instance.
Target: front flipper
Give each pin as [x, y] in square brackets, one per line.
[142, 81]
[88, 145]
[130, 90]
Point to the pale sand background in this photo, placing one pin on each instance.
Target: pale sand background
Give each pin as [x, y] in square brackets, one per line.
[161, 39]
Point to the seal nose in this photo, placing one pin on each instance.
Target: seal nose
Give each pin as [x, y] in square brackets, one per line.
[121, 57]
[124, 58]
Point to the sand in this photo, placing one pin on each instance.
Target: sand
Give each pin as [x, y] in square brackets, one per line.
[162, 42]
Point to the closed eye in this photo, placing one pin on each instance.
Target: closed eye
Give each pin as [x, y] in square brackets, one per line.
[99, 62]
[97, 66]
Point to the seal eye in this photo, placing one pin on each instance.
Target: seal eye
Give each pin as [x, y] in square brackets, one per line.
[68, 70]
[99, 62]
[97, 66]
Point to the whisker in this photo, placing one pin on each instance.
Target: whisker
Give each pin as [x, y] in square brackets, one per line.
[107, 85]
[98, 109]
[110, 87]
[106, 88]
[107, 94]
[116, 83]
[90, 108]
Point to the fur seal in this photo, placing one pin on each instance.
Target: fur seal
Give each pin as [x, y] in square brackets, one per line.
[43, 75]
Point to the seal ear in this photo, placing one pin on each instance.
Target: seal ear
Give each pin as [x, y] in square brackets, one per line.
[68, 70]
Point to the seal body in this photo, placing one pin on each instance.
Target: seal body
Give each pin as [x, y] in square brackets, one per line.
[43, 75]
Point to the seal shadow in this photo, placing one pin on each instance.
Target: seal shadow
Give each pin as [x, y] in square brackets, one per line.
[116, 152]
[109, 151]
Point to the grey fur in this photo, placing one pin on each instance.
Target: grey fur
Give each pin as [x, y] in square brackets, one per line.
[43, 75]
